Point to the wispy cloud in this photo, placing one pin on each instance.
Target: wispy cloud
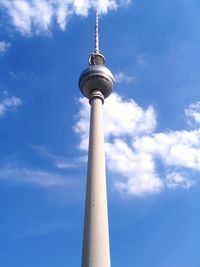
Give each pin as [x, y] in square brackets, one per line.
[175, 180]
[134, 149]
[40, 228]
[35, 177]
[121, 77]
[37, 16]
[4, 46]
[58, 161]
[9, 104]
[141, 60]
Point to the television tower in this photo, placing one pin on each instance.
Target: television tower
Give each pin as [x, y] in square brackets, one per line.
[96, 83]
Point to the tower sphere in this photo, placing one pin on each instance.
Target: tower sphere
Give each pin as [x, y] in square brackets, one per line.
[96, 77]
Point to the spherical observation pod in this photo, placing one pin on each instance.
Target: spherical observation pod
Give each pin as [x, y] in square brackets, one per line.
[96, 77]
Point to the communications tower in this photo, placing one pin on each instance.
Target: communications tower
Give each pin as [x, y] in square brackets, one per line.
[96, 83]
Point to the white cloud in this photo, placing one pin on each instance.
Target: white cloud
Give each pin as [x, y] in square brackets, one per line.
[4, 46]
[26, 15]
[137, 170]
[134, 151]
[130, 118]
[9, 104]
[178, 148]
[121, 77]
[32, 176]
[193, 113]
[37, 16]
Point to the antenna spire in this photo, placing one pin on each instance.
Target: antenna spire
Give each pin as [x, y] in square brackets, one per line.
[97, 34]
[96, 58]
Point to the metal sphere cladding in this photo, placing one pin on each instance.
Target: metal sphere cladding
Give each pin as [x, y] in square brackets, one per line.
[96, 77]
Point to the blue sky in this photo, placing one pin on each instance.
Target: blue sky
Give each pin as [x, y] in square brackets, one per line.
[152, 130]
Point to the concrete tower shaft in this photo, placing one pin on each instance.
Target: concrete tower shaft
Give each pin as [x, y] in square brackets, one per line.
[96, 249]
